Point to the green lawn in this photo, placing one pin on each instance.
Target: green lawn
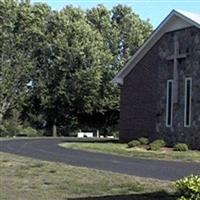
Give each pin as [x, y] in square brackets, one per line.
[121, 149]
[5, 138]
[23, 178]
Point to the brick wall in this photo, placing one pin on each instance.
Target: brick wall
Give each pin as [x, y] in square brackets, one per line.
[138, 99]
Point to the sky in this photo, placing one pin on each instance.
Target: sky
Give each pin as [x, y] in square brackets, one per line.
[154, 10]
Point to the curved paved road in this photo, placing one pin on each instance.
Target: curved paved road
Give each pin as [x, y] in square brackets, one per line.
[48, 149]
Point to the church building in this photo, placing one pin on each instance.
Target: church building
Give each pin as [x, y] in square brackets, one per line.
[160, 85]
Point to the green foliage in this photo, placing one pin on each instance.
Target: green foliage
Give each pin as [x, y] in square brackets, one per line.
[115, 134]
[56, 67]
[157, 144]
[154, 146]
[143, 141]
[181, 147]
[28, 132]
[10, 128]
[189, 188]
[16, 63]
[14, 126]
[133, 143]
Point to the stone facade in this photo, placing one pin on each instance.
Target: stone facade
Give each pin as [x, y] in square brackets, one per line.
[143, 96]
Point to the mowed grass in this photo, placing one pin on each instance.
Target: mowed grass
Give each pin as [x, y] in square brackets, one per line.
[28, 179]
[121, 149]
[5, 138]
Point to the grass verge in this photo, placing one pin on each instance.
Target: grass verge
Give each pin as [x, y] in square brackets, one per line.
[121, 149]
[23, 178]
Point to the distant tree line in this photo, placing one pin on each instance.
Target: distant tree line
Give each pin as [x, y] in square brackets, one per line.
[56, 67]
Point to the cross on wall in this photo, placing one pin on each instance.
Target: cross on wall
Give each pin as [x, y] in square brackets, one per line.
[175, 58]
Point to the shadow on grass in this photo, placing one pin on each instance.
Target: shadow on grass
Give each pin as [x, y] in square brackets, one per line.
[145, 196]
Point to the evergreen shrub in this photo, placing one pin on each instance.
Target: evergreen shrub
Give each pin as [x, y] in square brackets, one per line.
[157, 145]
[188, 188]
[181, 147]
[133, 143]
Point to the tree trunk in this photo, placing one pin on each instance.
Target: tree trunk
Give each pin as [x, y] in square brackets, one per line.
[54, 130]
[1, 118]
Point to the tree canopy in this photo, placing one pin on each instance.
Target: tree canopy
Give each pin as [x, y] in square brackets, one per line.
[56, 67]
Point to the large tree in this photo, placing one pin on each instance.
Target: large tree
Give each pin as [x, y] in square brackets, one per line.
[16, 64]
[69, 69]
[68, 59]
[123, 32]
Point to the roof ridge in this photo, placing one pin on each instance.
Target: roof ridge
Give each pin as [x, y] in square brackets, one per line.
[188, 17]
[186, 12]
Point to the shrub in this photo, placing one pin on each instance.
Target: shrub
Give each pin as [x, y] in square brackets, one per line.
[143, 141]
[133, 143]
[157, 144]
[189, 188]
[181, 147]
[28, 132]
[154, 146]
[9, 128]
[115, 134]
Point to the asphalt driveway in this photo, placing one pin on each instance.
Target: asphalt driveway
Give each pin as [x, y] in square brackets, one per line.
[48, 149]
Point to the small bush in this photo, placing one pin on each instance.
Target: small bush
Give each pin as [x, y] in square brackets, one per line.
[133, 143]
[154, 146]
[28, 132]
[9, 128]
[143, 141]
[157, 144]
[115, 134]
[181, 147]
[189, 188]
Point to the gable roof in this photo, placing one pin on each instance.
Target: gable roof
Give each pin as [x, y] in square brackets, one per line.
[176, 20]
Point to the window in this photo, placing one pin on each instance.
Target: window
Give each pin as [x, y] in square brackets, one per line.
[169, 106]
[188, 95]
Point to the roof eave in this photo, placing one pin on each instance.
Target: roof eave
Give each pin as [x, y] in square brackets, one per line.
[126, 69]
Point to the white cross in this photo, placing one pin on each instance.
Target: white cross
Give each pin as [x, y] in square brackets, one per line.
[175, 59]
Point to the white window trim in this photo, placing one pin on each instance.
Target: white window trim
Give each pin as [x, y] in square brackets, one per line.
[190, 111]
[167, 104]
